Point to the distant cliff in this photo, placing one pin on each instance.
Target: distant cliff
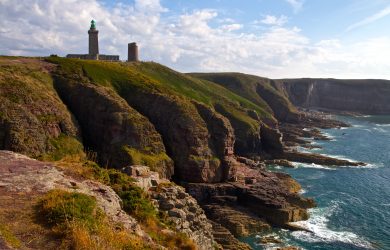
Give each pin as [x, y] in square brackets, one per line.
[360, 96]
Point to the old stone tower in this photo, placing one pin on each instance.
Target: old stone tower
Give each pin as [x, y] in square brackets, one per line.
[132, 52]
[93, 41]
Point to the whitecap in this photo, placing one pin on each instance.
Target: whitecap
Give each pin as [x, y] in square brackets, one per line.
[318, 225]
[340, 157]
[311, 165]
[382, 125]
[329, 136]
[302, 191]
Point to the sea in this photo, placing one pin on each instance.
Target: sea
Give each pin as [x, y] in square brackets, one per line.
[353, 209]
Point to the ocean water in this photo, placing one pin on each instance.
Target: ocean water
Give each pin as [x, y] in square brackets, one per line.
[353, 202]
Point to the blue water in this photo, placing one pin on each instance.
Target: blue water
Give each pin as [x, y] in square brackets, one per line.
[353, 203]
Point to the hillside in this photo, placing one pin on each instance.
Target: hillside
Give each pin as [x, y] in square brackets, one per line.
[211, 133]
[257, 89]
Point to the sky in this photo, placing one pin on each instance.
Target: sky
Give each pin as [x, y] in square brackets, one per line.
[270, 38]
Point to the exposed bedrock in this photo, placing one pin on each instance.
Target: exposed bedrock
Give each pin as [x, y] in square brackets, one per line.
[185, 134]
[360, 96]
[221, 140]
[270, 196]
[247, 135]
[271, 140]
[118, 133]
[33, 119]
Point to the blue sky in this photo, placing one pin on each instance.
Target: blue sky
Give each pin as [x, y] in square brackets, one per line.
[272, 38]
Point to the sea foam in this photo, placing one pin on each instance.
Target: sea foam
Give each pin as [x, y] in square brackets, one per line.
[312, 165]
[318, 224]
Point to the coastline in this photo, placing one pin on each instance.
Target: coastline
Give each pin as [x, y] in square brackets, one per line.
[342, 201]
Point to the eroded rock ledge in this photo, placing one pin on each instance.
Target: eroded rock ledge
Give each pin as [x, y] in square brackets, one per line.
[172, 200]
[253, 202]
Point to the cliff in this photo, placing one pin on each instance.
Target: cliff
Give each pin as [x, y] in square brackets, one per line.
[94, 120]
[354, 96]
[257, 89]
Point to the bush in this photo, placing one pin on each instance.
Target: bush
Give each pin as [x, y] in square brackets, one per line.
[59, 207]
[136, 203]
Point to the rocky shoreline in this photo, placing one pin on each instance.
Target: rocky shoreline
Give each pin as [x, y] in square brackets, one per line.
[257, 199]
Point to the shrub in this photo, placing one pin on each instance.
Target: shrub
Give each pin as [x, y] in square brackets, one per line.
[136, 203]
[59, 207]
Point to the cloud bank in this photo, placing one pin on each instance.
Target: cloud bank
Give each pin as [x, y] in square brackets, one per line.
[195, 40]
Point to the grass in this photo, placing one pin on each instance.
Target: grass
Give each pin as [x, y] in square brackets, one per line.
[151, 160]
[9, 237]
[81, 224]
[257, 89]
[62, 146]
[60, 207]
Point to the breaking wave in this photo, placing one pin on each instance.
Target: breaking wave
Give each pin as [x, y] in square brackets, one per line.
[320, 232]
[312, 165]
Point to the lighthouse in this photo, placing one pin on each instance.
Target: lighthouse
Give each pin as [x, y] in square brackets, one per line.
[93, 41]
[93, 47]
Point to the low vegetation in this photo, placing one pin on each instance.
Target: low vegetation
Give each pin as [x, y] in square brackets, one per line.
[81, 224]
[135, 201]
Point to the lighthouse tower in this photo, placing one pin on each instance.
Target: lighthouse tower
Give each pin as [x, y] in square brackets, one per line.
[93, 41]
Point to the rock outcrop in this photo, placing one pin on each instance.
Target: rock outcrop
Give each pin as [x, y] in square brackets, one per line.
[184, 132]
[177, 205]
[221, 140]
[263, 193]
[237, 220]
[125, 136]
[226, 239]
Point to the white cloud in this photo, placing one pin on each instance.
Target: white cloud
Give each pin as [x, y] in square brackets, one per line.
[296, 4]
[379, 15]
[273, 20]
[196, 23]
[232, 27]
[191, 41]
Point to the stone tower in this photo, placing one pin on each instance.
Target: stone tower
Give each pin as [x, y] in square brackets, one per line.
[132, 55]
[93, 41]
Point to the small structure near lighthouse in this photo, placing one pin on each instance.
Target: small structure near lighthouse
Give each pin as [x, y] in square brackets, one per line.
[93, 52]
[132, 53]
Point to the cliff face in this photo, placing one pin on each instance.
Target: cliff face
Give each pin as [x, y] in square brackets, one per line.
[118, 133]
[33, 119]
[199, 146]
[360, 96]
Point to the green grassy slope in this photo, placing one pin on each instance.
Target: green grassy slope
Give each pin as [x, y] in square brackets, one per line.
[149, 77]
[257, 89]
